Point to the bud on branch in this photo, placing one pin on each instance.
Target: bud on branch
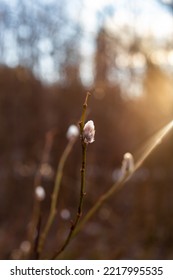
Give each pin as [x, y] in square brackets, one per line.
[89, 132]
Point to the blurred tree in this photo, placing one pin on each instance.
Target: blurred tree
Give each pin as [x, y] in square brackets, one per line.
[167, 3]
[101, 58]
[21, 114]
[39, 35]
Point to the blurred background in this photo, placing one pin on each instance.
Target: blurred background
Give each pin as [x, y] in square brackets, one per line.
[51, 53]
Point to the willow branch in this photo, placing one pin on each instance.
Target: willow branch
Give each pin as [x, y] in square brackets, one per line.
[82, 188]
[54, 197]
[37, 182]
[152, 144]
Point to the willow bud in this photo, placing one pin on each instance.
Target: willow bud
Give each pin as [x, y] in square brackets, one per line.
[40, 193]
[127, 164]
[89, 132]
[72, 132]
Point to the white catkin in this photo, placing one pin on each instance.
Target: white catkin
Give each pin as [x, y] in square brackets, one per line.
[72, 132]
[89, 132]
[127, 164]
[40, 193]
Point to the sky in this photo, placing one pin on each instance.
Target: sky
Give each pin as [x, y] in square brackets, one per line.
[148, 11]
[147, 17]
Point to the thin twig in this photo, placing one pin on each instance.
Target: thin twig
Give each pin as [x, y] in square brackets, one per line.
[37, 181]
[55, 193]
[38, 236]
[82, 189]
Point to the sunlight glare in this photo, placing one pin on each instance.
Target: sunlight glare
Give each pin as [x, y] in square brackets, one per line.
[154, 141]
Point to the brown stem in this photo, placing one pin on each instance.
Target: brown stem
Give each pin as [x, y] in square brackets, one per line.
[37, 181]
[54, 197]
[79, 211]
[82, 189]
